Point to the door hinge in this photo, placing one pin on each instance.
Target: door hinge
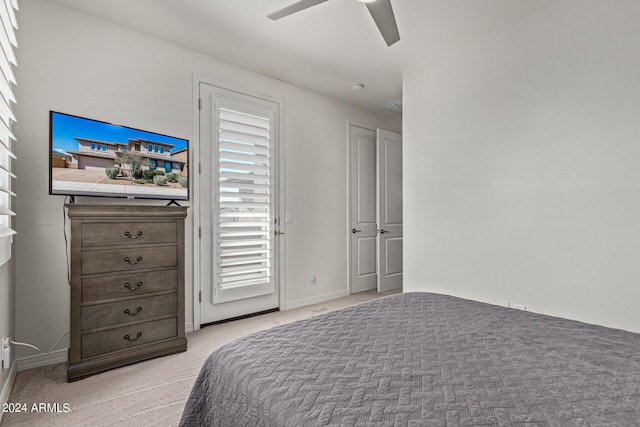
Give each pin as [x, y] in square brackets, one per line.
[200, 168]
[200, 232]
[200, 296]
[200, 104]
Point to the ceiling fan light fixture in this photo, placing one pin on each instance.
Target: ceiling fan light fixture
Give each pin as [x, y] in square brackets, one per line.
[357, 87]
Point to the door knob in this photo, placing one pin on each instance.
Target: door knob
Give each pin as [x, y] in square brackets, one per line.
[382, 231]
[354, 231]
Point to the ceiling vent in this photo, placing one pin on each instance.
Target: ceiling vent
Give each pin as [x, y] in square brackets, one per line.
[395, 106]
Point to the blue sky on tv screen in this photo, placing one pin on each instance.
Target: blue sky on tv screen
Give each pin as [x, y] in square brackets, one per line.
[64, 128]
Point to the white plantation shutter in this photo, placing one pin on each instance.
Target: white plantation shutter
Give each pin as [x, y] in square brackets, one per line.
[244, 187]
[8, 42]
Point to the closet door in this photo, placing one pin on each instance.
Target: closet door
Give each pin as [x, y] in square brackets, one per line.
[363, 226]
[375, 227]
[389, 210]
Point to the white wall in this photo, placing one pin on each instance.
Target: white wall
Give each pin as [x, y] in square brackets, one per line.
[522, 166]
[75, 64]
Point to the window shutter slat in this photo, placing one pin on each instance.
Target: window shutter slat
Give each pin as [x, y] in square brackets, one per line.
[240, 225]
[5, 134]
[7, 171]
[260, 188]
[235, 215]
[244, 127]
[244, 119]
[6, 190]
[6, 69]
[6, 232]
[243, 157]
[227, 176]
[231, 135]
[234, 166]
[6, 211]
[255, 205]
[12, 6]
[6, 44]
[6, 91]
[6, 113]
[6, 150]
[238, 147]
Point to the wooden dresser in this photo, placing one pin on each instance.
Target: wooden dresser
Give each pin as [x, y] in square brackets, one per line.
[127, 285]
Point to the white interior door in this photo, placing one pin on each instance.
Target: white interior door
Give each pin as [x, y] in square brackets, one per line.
[389, 210]
[238, 200]
[363, 229]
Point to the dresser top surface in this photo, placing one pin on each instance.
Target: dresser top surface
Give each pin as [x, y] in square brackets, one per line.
[131, 211]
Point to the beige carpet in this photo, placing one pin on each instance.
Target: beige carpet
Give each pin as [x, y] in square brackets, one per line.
[150, 393]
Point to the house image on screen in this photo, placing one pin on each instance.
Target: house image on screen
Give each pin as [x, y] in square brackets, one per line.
[98, 155]
[181, 155]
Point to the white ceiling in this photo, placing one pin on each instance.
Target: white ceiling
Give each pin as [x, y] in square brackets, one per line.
[325, 48]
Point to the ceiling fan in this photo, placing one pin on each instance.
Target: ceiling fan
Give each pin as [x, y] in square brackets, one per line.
[380, 10]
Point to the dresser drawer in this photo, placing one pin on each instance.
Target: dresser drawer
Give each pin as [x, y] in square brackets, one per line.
[114, 313]
[126, 285]
[107, 260]
[128, 233]
[124, 337]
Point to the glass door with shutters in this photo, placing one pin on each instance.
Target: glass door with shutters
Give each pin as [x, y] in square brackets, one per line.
[239, 136]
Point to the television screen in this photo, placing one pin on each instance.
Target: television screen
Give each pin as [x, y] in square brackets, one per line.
[94, 158]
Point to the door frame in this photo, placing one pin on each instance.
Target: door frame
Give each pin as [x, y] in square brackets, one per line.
[349, 195]
[197, 188]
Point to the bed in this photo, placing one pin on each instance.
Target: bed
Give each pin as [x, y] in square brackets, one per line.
[422, 359]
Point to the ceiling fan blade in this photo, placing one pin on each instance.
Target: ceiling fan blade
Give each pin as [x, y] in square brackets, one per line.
[296, 7]
[382, 13]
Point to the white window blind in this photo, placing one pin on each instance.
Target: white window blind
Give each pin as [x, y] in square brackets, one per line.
[245, 206]
[8, 43]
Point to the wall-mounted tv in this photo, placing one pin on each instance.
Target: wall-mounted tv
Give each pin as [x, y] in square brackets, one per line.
[94, 158]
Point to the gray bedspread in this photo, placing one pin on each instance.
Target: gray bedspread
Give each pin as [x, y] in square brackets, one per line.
[421, 359]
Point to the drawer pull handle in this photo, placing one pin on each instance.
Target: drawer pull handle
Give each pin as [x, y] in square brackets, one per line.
[128, 338]
[137, 261]
[128, 286]
[127, 311]
[131, 236]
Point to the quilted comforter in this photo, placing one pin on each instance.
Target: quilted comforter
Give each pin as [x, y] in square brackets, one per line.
[421, 359]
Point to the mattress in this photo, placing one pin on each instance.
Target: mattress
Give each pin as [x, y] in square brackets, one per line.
[422, 359]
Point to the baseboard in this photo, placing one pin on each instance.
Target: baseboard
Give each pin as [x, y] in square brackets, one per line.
[7, 386]
[29, 362]
[59, 356]
[315, 300]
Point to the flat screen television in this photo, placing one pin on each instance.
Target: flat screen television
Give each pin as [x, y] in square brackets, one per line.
[94, 158]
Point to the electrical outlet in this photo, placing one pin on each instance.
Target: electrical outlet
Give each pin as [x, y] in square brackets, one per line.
[6, 352]
[312, 278]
